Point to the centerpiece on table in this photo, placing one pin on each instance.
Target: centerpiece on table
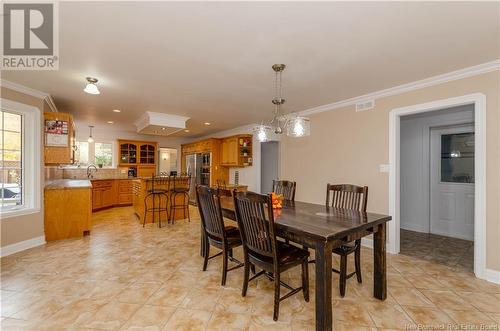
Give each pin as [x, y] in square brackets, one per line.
[277, 200]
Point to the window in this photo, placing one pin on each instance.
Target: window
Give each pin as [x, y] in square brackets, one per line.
[94, 153]
[20, 159]
[11, 157]
[457, 158]
[82, 152]
[104, 154]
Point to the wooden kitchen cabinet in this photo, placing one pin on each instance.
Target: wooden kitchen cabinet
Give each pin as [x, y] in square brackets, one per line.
[111, 192]
[67, 209]
[64, 154]
[236, 151]
[139, 155]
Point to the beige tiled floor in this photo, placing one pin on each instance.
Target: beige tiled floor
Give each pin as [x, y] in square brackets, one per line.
[124, 277]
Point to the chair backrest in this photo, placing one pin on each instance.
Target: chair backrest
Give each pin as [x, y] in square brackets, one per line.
[182, 182]
[161, 181]
[347, 196]
[221, 183]
[210, 211]
[254, 214]
[286, 188]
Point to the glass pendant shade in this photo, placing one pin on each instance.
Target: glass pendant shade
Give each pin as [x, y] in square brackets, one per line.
[91, 89]
[299, 127]
[262, 132]
[90, 140]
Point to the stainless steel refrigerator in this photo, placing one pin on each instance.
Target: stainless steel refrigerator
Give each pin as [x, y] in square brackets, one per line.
[198, 166]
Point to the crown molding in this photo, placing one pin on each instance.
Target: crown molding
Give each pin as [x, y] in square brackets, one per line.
[29, 91]
[431, 81]
[48, 99]
[23, 89]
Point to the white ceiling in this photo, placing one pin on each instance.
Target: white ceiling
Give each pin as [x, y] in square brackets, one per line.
[212, 61]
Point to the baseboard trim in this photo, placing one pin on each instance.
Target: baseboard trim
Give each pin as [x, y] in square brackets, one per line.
[368, 242]
[22, 245]
[493, 276]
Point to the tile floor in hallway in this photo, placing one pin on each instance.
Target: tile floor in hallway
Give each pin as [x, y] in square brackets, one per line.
[125, 277]
[453, 252]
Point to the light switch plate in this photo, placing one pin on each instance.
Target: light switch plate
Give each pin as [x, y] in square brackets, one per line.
[384, 167]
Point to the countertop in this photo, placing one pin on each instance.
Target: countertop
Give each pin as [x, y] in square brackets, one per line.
[67, 184]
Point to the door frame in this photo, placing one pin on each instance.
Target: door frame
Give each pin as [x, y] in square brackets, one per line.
[479, 102]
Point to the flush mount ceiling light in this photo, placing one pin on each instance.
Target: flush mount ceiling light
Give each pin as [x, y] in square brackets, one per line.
[110, 122]
[186, 130]
[296, 126]
[91, 139]
[91, 86]
[207, 123]
[117, 110]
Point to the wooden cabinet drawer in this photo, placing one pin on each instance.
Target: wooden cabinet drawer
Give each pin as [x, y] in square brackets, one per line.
[124, 199]
[124, 186]
[102, 183]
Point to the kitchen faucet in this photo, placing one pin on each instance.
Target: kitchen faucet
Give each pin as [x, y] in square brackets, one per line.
[89, 171]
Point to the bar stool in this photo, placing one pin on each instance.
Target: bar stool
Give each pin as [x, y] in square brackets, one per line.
[180, 187]
[157, 189]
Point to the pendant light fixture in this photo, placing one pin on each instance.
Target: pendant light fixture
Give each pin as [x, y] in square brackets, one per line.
[91, 86]
[91, 139]
[296, 126]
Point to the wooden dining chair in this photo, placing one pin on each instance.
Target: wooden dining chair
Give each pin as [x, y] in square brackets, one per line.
[217, 234]
[349, 197]
[285, 188]
[255, 217]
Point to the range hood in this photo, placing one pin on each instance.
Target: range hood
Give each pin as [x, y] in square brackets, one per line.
[160, 123]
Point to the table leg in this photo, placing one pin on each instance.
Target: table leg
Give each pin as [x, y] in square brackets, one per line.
[379, 263]
[324, 286]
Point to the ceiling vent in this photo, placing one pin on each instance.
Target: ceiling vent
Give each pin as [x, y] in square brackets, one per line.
[367, 105]
[160, 123]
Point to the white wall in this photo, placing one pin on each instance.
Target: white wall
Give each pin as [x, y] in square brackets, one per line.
[415, 133]
[168, 160]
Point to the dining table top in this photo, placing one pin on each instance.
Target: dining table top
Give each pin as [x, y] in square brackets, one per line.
[319, 222]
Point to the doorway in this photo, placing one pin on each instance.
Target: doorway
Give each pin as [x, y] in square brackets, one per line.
[269, 166]
[397, 181]
[167, 161]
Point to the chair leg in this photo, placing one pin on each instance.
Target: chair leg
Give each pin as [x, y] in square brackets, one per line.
[187, 207]
[357, 261]
[343, 274]
[145, 211]
[224, 266]
[305, 280]
[245, 278]
[276, 296]
[206, 251]
[172, 205]
[252, 268]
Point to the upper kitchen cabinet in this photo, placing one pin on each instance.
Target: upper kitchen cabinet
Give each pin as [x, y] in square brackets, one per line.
[133, 152]
[59, 135]
[236, 151]
[147, 153]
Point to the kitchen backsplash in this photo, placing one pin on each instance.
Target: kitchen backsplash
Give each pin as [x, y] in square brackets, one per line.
[81, 173]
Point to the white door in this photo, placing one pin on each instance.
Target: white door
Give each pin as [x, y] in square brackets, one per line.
[452, 181]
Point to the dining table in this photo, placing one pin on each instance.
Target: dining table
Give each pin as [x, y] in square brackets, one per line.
[323, 228]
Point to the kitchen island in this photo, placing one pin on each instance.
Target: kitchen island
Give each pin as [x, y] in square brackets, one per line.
[68, 208]
[140, 186]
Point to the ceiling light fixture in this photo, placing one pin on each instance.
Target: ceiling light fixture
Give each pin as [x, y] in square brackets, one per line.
[117, 110]
[186, 130]
[91, 139]
[207, 123]
[110, 122]
[163, 128]
[296, 126]
[91, 86]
